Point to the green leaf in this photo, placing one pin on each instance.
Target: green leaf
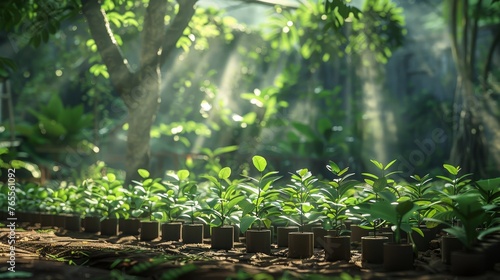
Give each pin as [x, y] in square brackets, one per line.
[183, 174]
[259, 162]
[143, 173]
[225, 173]
[404, 207]
[333, 167]
[489, 184]
[377, 164]
[111, 177]
[224, 150]
[246, 223]
[380, 184]
[389, 164]
[452, 169]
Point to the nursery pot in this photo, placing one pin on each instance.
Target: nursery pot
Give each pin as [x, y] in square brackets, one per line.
[449, 244]
[46, 220]
[282, 235]
[337, 248]
[300, 245]
[319, 236]
[33, 218]
[192, 233]
[398, 256]
[423, 243]
[109, 227]
[357, 232]
[258, 241]
[92, 224]
[130, 226]
[237, 233]
[171, 231]
[207, 231]
[59, 221]
[372, 249]
[150, 230]
[222, 238]
[467, 263]
[73, 223]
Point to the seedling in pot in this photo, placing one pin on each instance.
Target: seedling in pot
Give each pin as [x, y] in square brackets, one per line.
[263, 199]
[378, 188]
[337, 198]
[190, 190]
[472, 214]
[147, 198]
[301, 193]
[224, 206]
[174, 198]
[106, 197]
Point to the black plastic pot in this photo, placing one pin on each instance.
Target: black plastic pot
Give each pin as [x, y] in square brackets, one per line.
[222, 238]
[92, 224]
[258, 241]
[73, 223]
[319, 236]
[130, 226]
[149, 230]
[109, 227]
[192, 233]
[59, 221]
[282, 235]
[337, 248]
[449, 244]
[372, 249]
[171, 231]
[46, 220]
[467, 263]
[300, 245]
[398, 256]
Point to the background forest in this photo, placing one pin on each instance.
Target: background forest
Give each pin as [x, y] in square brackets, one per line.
[299, 82]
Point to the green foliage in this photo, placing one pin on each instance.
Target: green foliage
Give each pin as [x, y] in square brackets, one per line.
[105, 197]
[191, 192]
[224, 206]
[147, 197]
[262, 202]
[454, 184]
[337, 197]
[422, 193]
[338, 12]
[30, 197]
[379, 30]
[472, 213]
[489, 189]
[57, 125]
[300, 196]
[174, 198]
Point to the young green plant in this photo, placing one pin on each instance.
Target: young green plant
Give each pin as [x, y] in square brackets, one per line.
[147, 197]
[302, 191]
[337, 198]
[224, 206]
[263, 199]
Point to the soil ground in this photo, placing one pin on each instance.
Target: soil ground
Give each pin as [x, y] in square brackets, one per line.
[57, 254]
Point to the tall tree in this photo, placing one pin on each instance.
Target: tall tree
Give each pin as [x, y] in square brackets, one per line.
[140, 89]
[470, 149]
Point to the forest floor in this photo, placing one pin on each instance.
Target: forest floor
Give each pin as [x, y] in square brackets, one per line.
[54, 254]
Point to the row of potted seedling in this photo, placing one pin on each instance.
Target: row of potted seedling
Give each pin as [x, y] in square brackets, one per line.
[465, 209]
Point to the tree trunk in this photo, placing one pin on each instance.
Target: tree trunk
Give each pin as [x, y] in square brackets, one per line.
[468, 149]
[141, 117]
[139, 90]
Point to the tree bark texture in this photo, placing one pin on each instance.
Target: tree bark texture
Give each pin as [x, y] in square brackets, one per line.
[469, 150]
[140, 90]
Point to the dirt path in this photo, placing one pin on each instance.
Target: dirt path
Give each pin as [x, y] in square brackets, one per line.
[52, 254]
